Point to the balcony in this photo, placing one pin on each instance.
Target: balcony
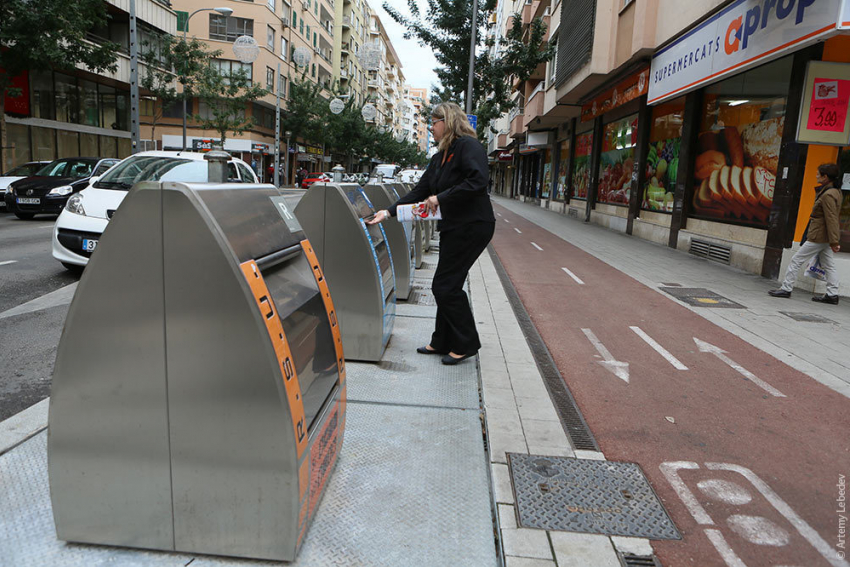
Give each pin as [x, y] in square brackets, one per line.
[527, 12]
[534, 106]
[346, 22]
[345, 47]
[391, 71]
[374, 83]
[343, 74]
[517, 130]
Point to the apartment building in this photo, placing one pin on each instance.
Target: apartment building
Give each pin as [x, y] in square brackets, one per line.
[65, 114]
[690, 124]
[418, 97]
[386, 84]
[352, 18]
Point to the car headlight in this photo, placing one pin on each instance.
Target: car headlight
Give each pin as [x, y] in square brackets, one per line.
[63, 190]
[75, 205]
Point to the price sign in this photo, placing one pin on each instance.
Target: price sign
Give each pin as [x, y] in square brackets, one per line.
[826, 98]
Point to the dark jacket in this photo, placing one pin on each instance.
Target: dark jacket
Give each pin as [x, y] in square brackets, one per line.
[460, 185]
[823, 222]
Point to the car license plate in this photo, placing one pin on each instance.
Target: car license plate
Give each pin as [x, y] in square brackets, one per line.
[89, 245]
[28, 201]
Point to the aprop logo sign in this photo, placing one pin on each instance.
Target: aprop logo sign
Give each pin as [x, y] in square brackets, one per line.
[745, 34]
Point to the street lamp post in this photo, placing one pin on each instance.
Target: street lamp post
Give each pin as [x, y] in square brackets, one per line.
[224, 12]
[286, 159]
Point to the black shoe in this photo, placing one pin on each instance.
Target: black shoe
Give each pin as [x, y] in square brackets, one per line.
[426, 350]
[831, 299]
[449, 360]
[779, 293]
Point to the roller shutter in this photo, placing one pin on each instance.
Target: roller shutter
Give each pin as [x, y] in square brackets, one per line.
[575, 39]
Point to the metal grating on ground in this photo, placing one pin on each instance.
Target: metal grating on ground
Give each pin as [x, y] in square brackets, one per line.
[711, 251]
[421, 296]
[808, 317]
[429, 265]
[589, 496]
[397, 497]
[406, 377]
[632, 560]
[700, 297]
[565, 405]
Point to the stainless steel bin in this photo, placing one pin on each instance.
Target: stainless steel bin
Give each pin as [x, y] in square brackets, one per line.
[198, 397]
[357, 262]
[399, 236]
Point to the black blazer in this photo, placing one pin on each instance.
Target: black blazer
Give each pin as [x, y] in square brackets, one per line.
[460, 185]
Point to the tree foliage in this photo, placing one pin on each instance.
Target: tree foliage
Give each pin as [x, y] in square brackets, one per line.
[446, 29]
[168, 61]
[226, 97]
[49, 34]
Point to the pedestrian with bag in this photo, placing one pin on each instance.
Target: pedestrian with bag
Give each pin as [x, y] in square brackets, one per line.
[822, 237]
[456, 184]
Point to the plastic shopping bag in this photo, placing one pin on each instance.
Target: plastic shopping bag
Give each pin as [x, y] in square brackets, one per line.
[814, 270]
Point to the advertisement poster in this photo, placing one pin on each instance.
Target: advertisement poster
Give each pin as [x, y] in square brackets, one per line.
[581, 167]
[617, 161]
[563, 164]
[547, 175]
[735, 169]
[826, 96]
[662, 160]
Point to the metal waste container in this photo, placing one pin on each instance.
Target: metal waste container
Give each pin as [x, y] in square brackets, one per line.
[198, 398]
[399, 236]
[357, 262]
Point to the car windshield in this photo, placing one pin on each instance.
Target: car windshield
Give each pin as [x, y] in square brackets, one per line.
[68, 168]
[153, 168]
[24, 170]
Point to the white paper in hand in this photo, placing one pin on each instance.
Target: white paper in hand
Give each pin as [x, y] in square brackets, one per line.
[416, 212]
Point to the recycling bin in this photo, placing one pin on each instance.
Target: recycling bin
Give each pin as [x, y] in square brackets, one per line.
[199, 397]
[357, 261]
[399, 236]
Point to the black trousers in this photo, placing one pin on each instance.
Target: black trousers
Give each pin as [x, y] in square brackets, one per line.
[460, 247]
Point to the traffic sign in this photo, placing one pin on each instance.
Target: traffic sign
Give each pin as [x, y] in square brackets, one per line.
[473, 121]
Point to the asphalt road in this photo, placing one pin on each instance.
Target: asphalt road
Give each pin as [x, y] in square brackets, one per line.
[28, 341]
[746, 453]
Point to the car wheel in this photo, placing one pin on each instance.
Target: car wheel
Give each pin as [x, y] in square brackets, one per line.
[73, 268]
[25, 216]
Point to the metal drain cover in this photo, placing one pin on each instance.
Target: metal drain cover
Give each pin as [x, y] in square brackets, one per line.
[421, 297]
[579, 495]
[700, 297]
[428, 266]
[808, 317]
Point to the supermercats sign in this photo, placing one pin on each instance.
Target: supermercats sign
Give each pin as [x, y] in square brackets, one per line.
[744, 34]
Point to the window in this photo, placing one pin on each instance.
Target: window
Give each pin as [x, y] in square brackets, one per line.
[294, 18]
[284, 52]
[229, 28]
[270, 79]
[281, 85]
[316, 7]
[271, 4]
[662, 161]
[227, 67]
[301, 27]
[247, 174]
[313, 72]
[308, 33]
[581, 165]
[315, 38]
[270, 37]
[617, 161]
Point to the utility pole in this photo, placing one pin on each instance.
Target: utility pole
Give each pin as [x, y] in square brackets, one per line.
[134, 81]
[277, 132]
[472, 57]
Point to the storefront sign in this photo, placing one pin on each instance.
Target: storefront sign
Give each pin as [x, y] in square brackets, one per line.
[20, 104]
[260, 148]
[203, 145]
[824, 116]
[524, 149]
[314, 150]
[506, 156]
[746, 34]
[625, 91]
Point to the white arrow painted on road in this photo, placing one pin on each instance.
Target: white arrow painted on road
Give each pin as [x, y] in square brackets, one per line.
[721, 354]
[618, 368]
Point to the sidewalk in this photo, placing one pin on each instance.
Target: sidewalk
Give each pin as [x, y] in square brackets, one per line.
[818, 349]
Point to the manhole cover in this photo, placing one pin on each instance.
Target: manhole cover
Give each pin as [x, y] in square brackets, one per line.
[700, 297]
[578, 495]
[421, 297]
[808, 317]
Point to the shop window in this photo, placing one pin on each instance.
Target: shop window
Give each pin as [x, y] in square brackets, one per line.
[547, 174]
[844, 211]
[43, 144]
[89, 113]
[18, 142]
[122, 114]
[581, 167]
[43, 98]
[67, 98]
[108, 106]
[563, 165]
[617, 161]
[738, 152]
[68, 144]
[662, 158]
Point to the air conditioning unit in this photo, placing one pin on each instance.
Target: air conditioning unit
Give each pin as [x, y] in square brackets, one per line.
[316, 50]
[284, 22]
[305, 6]
[547, 11]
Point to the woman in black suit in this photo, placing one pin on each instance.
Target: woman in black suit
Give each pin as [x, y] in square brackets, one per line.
[456, 183]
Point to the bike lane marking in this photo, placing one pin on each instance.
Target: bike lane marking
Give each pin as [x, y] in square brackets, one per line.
[575, 277]
[658, 348]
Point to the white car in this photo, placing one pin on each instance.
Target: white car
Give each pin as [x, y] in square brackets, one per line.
[26, 170]
[82, 222]
[410, 175]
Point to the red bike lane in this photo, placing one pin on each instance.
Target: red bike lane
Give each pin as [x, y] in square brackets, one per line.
[748, 455]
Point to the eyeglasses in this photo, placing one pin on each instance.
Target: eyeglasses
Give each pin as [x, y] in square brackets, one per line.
[434, 121]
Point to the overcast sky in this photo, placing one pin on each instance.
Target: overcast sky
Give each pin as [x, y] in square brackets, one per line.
[417, 62]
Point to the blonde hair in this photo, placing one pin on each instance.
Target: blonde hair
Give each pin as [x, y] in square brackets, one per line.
[455, 122]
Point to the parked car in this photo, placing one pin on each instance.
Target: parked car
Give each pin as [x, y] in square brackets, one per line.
[316, 177]
[410, 175]
[49, 189]
[79, 227]
[25, 170]
[389, 171]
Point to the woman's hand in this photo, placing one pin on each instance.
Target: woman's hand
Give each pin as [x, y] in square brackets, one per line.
[836, 248]
[432, 204]
[379, 216]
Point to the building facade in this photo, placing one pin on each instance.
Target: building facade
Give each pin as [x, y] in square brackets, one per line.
[678, 123]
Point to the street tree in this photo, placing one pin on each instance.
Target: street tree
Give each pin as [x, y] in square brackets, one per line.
[446, 29]
[225, 97]
[45, 35]
[170, 60]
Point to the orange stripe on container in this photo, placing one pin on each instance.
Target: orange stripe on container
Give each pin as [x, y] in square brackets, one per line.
[281, 347]
[329, 306]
